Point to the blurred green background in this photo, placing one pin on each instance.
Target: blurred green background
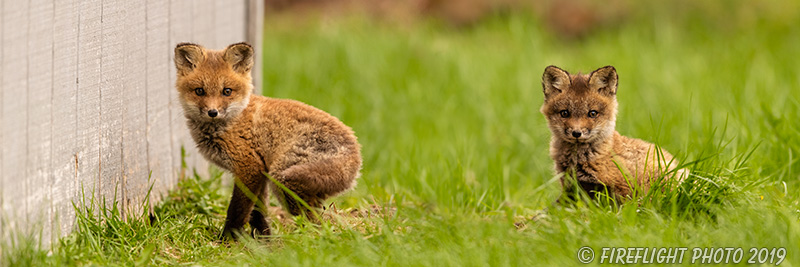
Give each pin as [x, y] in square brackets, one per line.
[446, 105]
[444, 97]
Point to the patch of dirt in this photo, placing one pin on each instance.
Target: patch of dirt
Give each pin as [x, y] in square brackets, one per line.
[353, 217]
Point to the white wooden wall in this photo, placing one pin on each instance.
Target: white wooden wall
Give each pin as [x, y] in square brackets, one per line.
[87, 100]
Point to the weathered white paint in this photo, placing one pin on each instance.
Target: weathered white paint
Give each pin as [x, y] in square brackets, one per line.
[89, 107]
[159, 129]
[39, 105]
[88, 99]
[15, 112]
[180, 30]
[112, 90]
[134, 102]
[64, 179]
[2, 210]
[255, 22]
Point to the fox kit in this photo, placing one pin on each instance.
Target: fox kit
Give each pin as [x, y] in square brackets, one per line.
[581, 111]
[310, 152]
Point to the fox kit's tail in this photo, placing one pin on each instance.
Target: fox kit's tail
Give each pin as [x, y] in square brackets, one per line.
[316, 181]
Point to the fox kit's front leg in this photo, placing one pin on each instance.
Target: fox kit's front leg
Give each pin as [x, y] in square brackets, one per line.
[258, 217]
[243, 207]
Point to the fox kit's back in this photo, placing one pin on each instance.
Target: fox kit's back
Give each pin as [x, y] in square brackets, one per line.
[581, 112]
[308, 151]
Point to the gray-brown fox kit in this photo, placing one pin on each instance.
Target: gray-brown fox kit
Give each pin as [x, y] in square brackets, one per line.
[307, 150]
[581, 112]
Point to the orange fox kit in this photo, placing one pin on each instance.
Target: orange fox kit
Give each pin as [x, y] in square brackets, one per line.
[581, 112]
[307, 150]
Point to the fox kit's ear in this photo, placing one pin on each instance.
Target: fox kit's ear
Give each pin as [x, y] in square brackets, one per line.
[604, 80]
[554, 81]
[240, 56]
[187, 57]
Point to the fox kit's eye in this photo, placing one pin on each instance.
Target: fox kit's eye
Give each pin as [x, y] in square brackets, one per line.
[199, 91]
[564, 113]
[592, 113]
[227, 91]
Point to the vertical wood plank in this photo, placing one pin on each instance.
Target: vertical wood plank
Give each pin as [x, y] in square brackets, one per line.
[65, 89]
[238, 18]
[223, 11]
[134, 95]
[255, 32]
[111, 91]
[2, 142]
[204, 33]
[205, 26]
[180, 30]
[159, 130]
[15, 84]
[88, 99]
[39, 96]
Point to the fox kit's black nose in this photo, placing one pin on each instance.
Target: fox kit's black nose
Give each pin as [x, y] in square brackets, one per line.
[575, 134]
[213, 113]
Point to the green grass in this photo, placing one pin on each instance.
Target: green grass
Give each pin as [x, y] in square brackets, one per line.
[453, 139]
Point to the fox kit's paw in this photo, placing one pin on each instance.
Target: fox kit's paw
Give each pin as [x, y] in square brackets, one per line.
[259, 224]
[296, 208]
[263, 234]
[232, 235]
[229, 235]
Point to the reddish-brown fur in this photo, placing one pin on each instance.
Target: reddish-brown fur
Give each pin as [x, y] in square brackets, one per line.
[588, 148]
[307, 150]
